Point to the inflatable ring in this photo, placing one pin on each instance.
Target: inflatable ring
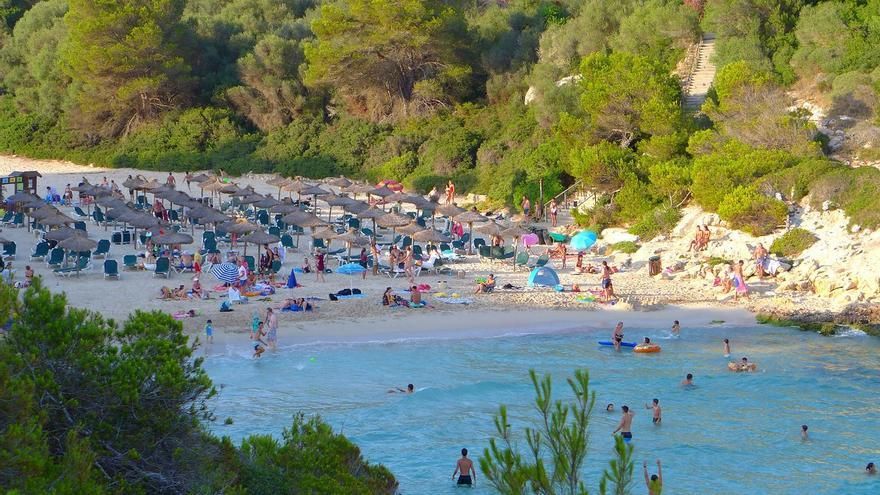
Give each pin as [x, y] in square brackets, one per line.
[646, 348]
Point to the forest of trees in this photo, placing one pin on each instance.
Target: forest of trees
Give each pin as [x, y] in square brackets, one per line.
[426, 90]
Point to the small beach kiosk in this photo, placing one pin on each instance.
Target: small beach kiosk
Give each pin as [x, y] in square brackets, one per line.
[20, 182]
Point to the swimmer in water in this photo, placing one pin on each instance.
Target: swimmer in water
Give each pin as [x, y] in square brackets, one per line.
[676, 328]
[743, 365]
[625, 425]
[409, 389]
[804, 435]
[688, 380]
[726, 348]
[609, 407]
[871, 469]
[464, 468]
[655, 481]
[657, 411]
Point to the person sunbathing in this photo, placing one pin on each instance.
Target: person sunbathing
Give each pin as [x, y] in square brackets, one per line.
[487, 285]
[180, 293]
[166, 293]
[196, 289]
[296, 304]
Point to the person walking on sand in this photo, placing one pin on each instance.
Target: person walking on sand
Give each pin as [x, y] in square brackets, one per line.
[374, 250]
[465, 469]
[625, 425]
[170, 181]
[272, 326]
[363, 263]
[526, 206]
[209, 332]
[408, 265]
[319, 266]
[617, 335]
[655, 405]
[554, 212]
[740, 280]
[607, 286]
[760, 258]
[654, 482]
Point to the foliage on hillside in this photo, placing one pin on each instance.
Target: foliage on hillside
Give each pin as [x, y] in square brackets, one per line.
[423, 91]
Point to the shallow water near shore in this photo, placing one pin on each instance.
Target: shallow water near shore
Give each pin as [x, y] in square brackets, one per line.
[729, 434]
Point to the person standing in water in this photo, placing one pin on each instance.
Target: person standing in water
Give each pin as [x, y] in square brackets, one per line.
[688, 380]
[625, 425]
[654, 482]
[804, 435]
[655, 405]
[617, 336]
[676, 329]
[272, 324]
[726, 348]
[465, 469]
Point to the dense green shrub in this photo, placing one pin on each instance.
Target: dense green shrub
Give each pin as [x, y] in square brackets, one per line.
[747, 209]
[856, 190]
[794, 183]
[626, 247]
[660, 220]
[793, 243]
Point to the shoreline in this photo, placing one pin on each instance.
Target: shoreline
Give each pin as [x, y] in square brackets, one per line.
[482, 325]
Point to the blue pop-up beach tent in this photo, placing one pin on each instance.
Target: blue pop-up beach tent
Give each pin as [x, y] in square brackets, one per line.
[543, 276]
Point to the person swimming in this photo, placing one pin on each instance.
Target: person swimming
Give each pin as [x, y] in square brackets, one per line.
[609, 407]
[657, 413]
[409, 390]
[743, 365]
[688, 380]
[871, 469]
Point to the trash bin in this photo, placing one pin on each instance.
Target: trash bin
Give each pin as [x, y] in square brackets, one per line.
[654, 266]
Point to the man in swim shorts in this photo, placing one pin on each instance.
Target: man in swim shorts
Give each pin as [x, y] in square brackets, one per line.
[625, 425]
[657, 411]
[465, 469]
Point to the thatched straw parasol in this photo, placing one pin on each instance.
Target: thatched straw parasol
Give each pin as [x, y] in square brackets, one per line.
[259, 238]
[470, 218]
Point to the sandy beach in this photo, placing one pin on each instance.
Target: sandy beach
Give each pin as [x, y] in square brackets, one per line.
[647, 299]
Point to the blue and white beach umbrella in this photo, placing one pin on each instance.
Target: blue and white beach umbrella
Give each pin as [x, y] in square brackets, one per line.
[225, 272]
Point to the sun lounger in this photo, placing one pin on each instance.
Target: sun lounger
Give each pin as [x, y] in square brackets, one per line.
[111, 269]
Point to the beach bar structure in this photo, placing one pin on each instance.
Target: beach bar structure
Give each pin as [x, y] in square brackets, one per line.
[20, 182]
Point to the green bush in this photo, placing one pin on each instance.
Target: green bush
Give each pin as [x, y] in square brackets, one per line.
[747, 209]
[660, 220]
[793, 243]
[626, 247]
[856, 190]
[794, 183]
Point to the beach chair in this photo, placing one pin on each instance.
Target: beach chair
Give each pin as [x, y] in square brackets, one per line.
[466, 238]
[111, 269]
[17, 220]
[287, 241]
[210, 244]
[276, 266]
[407, 241]
[540, 261]
[444, 247]
[142, 202]
[82, 264]
[173, 216]
[367, 232]
[9, 250]
[163, 267]
[7, 218]
[251, 262]
[318, 244]
[98, 216]
[102, 249]
[78, 211]
[479, 242]
[522, 259]
[485, 252]
[56, 257]
[417, 250]
[354, 223]
[41, 250]
[275, 231]
[459, 244]
[129, 262]
[79, 226]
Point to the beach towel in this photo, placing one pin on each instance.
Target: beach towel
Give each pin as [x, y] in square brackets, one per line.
[770, 267]
[454, 300]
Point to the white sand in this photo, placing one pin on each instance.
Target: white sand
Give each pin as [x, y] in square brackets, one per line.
[366, 319]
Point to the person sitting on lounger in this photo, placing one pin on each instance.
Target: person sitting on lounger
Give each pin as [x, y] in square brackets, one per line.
[486, 286]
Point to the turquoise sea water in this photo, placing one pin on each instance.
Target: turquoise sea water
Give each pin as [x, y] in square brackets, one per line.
[731, 434]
